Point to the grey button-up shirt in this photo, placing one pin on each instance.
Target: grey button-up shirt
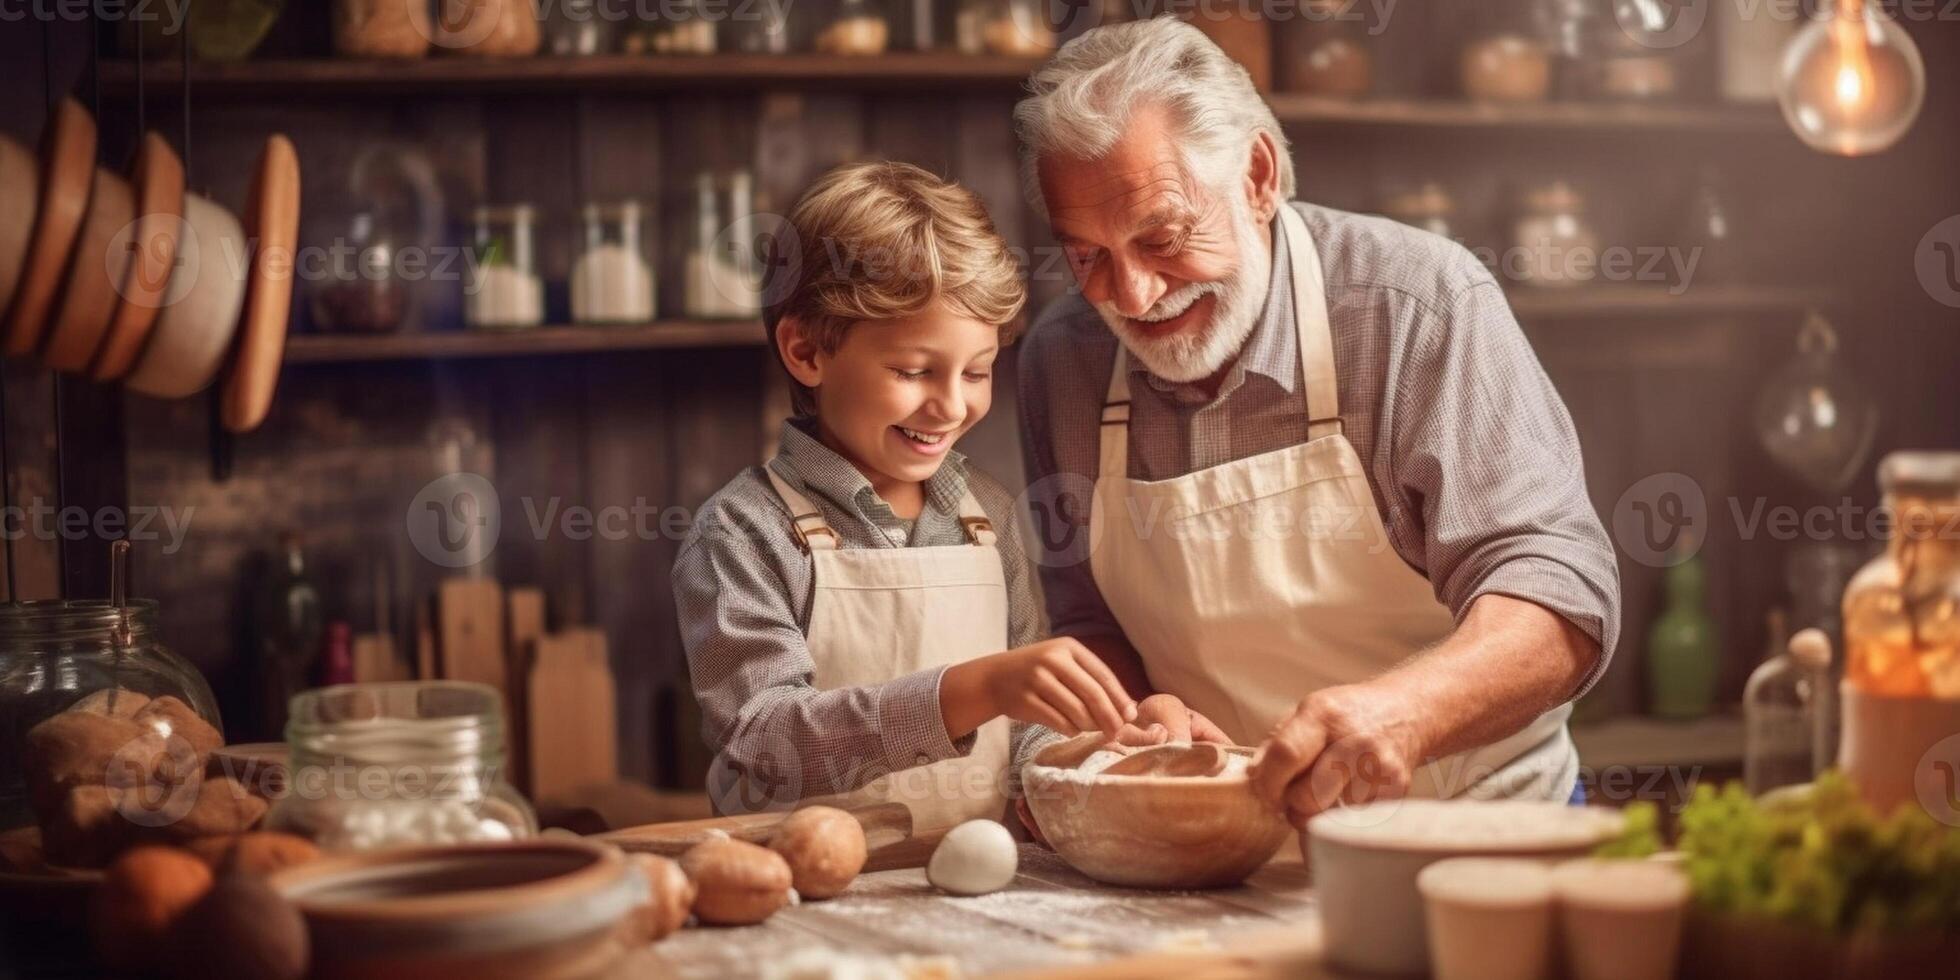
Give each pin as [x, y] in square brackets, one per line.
[1470, 453]
[743, 590]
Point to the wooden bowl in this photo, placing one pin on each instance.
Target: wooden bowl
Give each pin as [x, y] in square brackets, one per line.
[151, 243]
[95, 277]
[272, 225]
[20, 199]
[1150, 831]
[546, 909]
[67, 176]
[188, 345]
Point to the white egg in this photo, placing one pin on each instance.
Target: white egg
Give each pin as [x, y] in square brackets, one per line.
[974, 858]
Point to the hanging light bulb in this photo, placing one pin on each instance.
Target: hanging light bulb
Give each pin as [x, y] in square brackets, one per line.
[1851, 81]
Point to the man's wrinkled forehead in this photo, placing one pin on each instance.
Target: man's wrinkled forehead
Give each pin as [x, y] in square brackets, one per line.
[1128, 194]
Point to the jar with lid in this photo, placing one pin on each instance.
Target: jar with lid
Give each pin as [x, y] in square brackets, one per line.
[504, 291]
[766, 29]
[724, 278]
[488, 28]
[1427, 206]
[1901, 689]
[360, 292]
[612, 281]
[858, 28]
[1012, 28]
[1507, 56]
[1556, 246]
[381, 29]
[1327, 51]
[577, 29]
[675, 27]
[399, 764]
[55, 653]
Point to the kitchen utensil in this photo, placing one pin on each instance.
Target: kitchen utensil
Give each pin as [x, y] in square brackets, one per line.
[95, 276]
[67, 177]
[470, 632]
[885, 825]
[1366, 858]
[151, 242]
[1489, 918]
[571, 709]
[272, 224]
[1202, 759]
[1150, 831]
[20, 200]
[537, 910]
[1814, 417]
[524, 622]
[1620, 920]
[190, 339]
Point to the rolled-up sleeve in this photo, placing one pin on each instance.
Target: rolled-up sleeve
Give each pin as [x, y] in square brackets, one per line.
[776, 737]
[1487, 468]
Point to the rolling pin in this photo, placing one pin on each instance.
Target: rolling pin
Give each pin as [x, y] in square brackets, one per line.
[887, 832]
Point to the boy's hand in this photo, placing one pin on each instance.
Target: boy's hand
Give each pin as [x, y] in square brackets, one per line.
[1180, 724]
[1057, 683]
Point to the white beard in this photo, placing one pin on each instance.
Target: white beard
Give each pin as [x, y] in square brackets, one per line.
[1200, 352]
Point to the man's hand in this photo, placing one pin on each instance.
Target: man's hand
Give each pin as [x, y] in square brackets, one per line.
[1164, 718]
[1348, 744]
[1057, 683]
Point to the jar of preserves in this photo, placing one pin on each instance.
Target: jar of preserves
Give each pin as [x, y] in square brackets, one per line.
[1011, 28]
[1556, 244]
[90, 656]
[488, 28]
[399, 764]
[859, 28]
[381, 29]
[1901, 688]
[1327, 51]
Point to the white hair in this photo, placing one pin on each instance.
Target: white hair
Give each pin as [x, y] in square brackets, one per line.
[1081, 100]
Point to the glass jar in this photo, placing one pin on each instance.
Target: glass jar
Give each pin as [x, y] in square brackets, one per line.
[724, 279]
[1013, 28]
[1427, 206]
[360, 292]
[54, 653]
[488, 28]
[860, 28]
[504, 291]
[765, 29]
[577, 29]
[675, 27]
[398, 765]
[1327, 51]
[612, 281]
[1902, 610]
[1556, 245]
[381, 29]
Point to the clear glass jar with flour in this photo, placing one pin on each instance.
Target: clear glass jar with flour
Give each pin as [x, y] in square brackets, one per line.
[724, 275]
[612, 281]
[503, 291]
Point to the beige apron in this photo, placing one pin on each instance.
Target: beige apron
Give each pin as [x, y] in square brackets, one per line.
[881, 613]
[1249, 585]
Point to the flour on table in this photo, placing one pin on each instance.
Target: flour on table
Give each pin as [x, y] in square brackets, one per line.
[824, 964]
[1235, 763]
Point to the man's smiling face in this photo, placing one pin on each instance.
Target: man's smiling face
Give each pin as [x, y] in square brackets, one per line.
[1177, 266]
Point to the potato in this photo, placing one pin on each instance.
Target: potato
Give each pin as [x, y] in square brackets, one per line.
[825, 849]
[141, 897]
[673, 896]
[737, 883]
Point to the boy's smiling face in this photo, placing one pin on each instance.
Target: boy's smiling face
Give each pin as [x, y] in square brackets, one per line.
[897, 394]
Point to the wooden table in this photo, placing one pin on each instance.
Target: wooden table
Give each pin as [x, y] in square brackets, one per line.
[1052, 922]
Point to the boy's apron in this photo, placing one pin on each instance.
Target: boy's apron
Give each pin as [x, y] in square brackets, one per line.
[1247, 586]
[881, 613]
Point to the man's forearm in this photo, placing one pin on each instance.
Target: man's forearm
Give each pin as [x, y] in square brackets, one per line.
[1508, 662]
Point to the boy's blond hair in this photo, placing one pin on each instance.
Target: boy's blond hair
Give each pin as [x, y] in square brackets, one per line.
[883, 241]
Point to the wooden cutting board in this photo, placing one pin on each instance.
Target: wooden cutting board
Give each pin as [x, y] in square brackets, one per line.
[571, 707]
[470, 632]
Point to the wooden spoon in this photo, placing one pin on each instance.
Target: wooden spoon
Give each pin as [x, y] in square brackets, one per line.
[1202, 759]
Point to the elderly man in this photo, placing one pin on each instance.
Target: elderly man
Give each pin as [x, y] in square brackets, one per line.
[1296, 467]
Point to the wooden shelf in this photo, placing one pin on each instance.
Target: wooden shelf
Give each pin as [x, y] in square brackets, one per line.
[437, 76]
[1293, 107]
[1635, 300]
[445, 344]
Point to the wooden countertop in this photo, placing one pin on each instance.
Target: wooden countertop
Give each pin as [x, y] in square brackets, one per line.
[1050, 923]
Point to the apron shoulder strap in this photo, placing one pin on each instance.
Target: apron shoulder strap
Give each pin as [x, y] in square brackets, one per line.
[973, 519]
[1114, 433]
[806, 521]
[1316, 331]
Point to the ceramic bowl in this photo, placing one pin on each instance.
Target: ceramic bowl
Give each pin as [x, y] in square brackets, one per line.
[67, 177]
[1150, 831]
[548, 908]
[192, 335]
[20, 197]
[1366, 858]
[94, 279]
[151, 244]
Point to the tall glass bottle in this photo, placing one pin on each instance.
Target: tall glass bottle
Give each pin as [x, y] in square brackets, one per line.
[1778, 717]
[287, 626]
[1683, 647]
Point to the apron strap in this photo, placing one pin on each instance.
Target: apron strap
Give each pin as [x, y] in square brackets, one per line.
[1316, 343]
[1316, 332]
[806, 521]
[814, 534]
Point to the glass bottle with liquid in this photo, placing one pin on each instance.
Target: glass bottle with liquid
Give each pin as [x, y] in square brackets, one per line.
[1683, 647]
[1783, 706]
